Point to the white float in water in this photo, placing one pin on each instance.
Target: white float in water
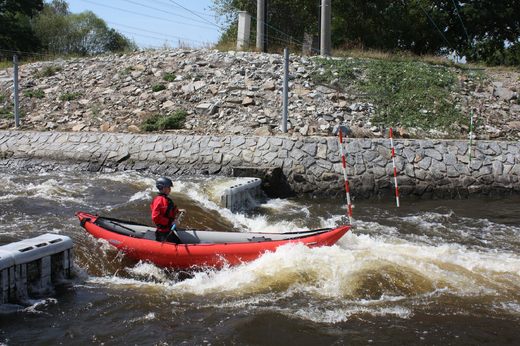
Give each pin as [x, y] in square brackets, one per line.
[242, 195]
[32, 267]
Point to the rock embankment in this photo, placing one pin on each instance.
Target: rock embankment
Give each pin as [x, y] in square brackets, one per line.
[224, 93]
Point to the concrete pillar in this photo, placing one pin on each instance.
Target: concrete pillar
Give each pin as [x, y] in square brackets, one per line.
[244, 30]
[325, 41]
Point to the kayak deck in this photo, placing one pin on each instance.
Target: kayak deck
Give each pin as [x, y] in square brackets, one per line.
[192, 236]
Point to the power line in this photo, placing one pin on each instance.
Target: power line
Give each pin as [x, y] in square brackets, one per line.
[157, 33]
[436, 27]
[146, 15]
[292, 39]
[204, 19]
[163, 11]
[160, 38]
[460, 19]
[12, 51]
[176, 6]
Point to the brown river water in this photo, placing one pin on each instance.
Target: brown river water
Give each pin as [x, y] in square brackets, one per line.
[430, 272]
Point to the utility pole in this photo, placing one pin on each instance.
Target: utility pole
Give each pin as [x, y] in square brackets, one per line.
[260, 25]
[15, 89]
[325, 41]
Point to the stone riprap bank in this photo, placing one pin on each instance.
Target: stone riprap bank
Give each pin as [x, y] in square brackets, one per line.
[310, 164]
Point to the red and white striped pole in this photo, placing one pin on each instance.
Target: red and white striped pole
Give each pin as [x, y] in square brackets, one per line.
[395, 169]
[344, 165]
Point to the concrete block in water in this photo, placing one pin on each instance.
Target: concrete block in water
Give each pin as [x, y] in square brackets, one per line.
[6, 276]
[37, 263]
[242, 195]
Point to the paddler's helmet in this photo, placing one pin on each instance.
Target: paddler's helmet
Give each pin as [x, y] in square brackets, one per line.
[163, 182]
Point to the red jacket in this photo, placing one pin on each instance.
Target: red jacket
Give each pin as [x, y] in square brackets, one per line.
[164, 212]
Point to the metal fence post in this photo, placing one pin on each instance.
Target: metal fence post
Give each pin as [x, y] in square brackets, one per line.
[16, 104]
[285, 88]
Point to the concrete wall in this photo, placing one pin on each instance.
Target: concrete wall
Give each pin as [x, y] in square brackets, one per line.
[311, 164]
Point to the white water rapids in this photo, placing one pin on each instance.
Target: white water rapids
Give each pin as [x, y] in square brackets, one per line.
[392, 263]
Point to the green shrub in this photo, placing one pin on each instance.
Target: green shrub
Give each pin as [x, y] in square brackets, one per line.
[169, 77]
[36, 93]
[405, 93]
[126, 71]
[412, 94]
[6, 112]
[47, 71]
[158, 87]
[2, 98]
[160, 122]
[69, 96]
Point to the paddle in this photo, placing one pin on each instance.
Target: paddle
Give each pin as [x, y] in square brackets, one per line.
[178, 219]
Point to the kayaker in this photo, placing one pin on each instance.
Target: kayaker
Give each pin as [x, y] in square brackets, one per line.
[165, 212]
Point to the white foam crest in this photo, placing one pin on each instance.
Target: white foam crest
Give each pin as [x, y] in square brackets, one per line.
[510, 307]
[147, 271]
[128, 178]
[53, 190]
[289, 265]
[261, 223]
[220, 184]
[141, 195]
[120, 281]
[430, 221]
[35, 304]
[8, 197]
[148, 317]
[335, 271]
[258, 223]
[453, 265]
[286, 206]
[337, 315]
[372, 227]
[251, 301]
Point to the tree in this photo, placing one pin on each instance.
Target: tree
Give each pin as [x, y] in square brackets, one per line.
[16, 33]
[481, 30]
[62, 32]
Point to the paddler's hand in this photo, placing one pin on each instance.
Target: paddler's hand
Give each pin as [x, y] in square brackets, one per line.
[180, 215]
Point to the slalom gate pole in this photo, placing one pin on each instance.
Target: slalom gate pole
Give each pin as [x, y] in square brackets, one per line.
[470, 136]
[395, 169]
[347, 188]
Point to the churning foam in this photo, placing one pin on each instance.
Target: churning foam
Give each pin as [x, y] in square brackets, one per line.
[363, 274]
[241, 221]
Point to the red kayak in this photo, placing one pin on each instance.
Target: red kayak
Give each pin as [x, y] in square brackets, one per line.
[199, 248]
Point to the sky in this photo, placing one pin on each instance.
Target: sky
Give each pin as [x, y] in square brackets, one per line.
[156, 23]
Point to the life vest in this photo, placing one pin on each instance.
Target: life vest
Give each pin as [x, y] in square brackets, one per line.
[169, 213]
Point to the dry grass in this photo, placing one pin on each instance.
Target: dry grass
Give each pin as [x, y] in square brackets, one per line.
[396, 56]
[499, 69]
